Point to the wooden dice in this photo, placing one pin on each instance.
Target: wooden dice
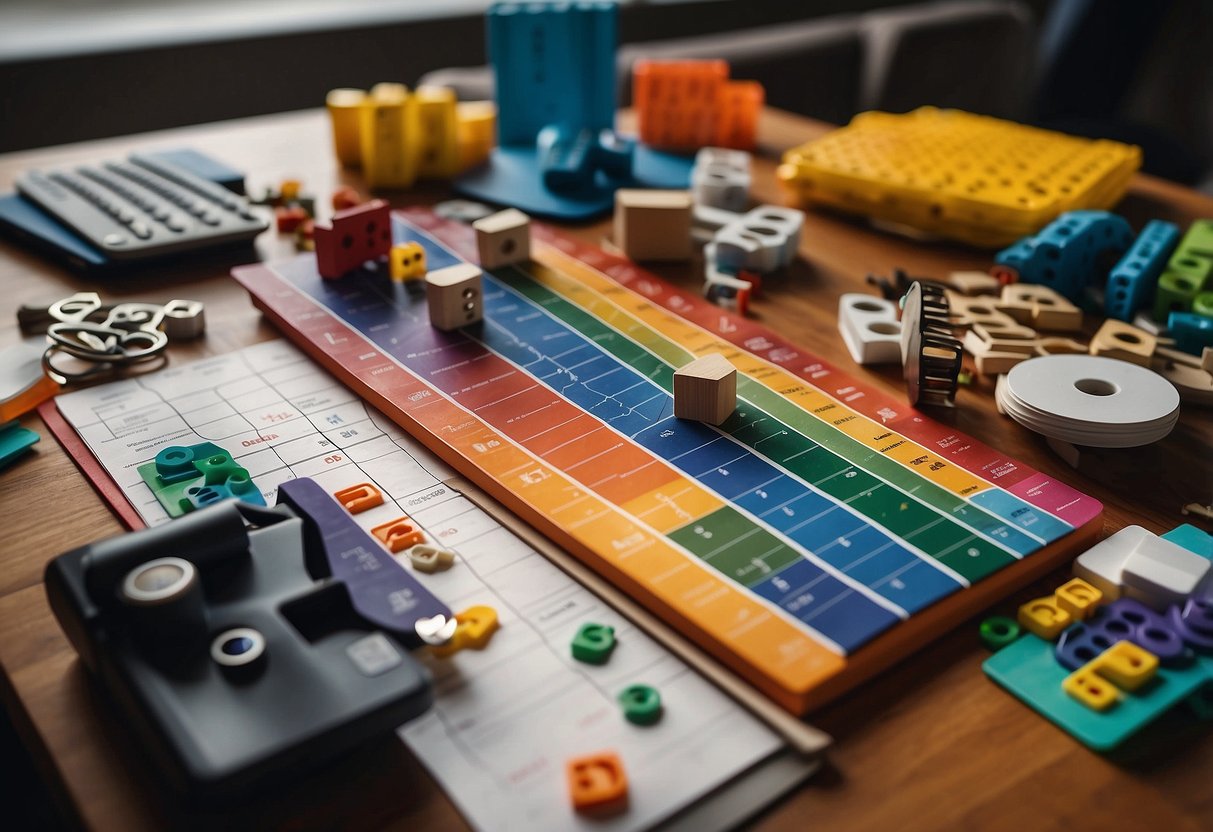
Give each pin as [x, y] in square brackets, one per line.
[455, 296]
[503, 238]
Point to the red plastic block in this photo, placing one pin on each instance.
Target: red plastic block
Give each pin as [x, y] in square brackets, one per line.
[354, 236]
[345, 197]
[289, 219]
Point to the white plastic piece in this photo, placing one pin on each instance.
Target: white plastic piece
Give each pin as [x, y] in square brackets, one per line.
[1138, 564]
[740, 247]
[1101, 565]
[737, 160]
[721, 178]
[870, 329]
[787, 220]
[430, 559]
[705, 218]
[1160, 573]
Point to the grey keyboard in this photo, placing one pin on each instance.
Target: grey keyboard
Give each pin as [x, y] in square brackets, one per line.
[142, 207]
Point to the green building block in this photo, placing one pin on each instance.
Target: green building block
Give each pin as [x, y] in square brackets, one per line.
[1188, 271]
[1202, 304]
[641, 704]
[998, 631]
[188, 477]
[593, 643]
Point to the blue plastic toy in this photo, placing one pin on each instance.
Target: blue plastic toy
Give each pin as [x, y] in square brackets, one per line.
[1192, 332]
[1132, 281]
[1067, 254]
[558, 155]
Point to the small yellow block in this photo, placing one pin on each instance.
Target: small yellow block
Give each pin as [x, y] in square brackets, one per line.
[1091, 689]
[1044, 617]
[1125, 665]
[407, 261]
[475, 626]
[1078, 598]
[289, 189]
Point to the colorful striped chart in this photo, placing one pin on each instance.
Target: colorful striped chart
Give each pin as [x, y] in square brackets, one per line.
[821, 533]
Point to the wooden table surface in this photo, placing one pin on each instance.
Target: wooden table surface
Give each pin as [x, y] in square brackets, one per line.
[930, 744]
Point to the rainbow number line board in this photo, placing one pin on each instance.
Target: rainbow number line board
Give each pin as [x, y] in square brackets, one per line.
[821, 533]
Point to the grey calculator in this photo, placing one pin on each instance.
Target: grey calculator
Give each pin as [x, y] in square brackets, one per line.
[142, 207]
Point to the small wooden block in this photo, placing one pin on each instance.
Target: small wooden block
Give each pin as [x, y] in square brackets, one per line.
[503, 238]
[1056, 345]
[1116, 339]
[973, 283]
[653, 225]
[706, 389]
[455, 296]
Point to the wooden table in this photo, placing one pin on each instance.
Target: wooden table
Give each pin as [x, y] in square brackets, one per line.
[931, 744]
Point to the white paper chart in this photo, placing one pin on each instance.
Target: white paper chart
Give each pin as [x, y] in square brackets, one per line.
[505, 719]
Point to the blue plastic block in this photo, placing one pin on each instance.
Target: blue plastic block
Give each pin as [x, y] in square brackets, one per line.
[554, 64]
[1192, 332]
[1067, 254]
[176, 463]
[14, 441]
[566, 158]
[1132, 281]
[1028, 670]
[201, 496]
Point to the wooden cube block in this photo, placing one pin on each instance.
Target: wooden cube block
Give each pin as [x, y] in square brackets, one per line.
[706, 389]
[653, 225]
[455, 296]
[503, 238]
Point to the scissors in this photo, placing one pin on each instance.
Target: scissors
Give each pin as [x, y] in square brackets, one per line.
[129, 334]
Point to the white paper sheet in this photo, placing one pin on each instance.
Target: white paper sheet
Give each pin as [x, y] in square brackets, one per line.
[505, 719]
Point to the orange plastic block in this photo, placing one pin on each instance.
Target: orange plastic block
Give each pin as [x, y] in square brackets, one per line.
[346, 196]
[737, 115]
[1078, 598]
[597, 782]
[398, 534]
[358, 498]
[475, 626]
[691, 104]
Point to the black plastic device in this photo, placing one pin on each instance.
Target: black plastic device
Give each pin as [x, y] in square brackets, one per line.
[237, 659]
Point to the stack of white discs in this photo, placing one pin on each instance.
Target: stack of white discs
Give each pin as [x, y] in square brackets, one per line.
[1090, 400]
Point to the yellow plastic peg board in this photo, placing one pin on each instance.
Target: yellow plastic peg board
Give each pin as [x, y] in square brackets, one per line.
[971, 178]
